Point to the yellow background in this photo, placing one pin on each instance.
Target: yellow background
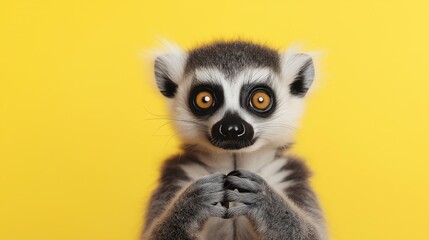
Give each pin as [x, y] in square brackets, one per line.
[81, 139]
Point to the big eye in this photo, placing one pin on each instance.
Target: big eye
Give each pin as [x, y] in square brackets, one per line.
[204, 100]
[260, 100]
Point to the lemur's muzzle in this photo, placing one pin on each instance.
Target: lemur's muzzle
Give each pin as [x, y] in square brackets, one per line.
[232, 132]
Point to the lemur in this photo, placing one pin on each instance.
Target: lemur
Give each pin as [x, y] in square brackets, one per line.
[236, 106]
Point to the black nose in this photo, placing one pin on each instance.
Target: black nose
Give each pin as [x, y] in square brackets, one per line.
[232, 127]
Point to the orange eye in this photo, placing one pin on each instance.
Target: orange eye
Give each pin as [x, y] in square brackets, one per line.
[260, 100]
[204, 100]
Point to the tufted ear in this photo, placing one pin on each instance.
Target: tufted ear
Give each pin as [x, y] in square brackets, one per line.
[169, 67]
[298, 71]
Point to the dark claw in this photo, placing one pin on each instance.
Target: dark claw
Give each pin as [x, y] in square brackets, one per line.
[225, 204]
[228, 185]
[234, 173]
[246, 174]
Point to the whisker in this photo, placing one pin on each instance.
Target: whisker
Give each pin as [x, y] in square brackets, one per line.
[169, 139]
[176, 120]
[278, 125]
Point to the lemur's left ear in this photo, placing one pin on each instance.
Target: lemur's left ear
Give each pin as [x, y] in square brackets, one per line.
[298, 71]
[169, 67]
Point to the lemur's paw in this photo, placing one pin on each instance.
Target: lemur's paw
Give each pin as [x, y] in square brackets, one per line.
[203, 195]
[246, 198]
[251, 192]
[208, 190]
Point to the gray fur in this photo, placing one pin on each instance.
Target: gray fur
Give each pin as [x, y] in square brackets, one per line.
[232, 57]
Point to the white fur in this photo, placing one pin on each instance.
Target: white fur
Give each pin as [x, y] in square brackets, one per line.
[292, 61]
[195, 171]
[175, 59]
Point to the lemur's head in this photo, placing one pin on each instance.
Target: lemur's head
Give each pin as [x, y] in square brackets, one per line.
[234, 96]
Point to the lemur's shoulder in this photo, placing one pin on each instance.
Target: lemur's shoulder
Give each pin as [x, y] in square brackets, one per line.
[297, 167]
[168, 184]
[300, 192]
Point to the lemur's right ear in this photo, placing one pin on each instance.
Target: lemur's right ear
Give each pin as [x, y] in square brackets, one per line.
[298, 71]
[169, 67]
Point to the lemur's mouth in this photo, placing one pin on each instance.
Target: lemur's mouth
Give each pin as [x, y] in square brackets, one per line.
[234, 144]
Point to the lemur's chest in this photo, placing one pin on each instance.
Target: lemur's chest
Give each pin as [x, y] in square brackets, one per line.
[265, 164]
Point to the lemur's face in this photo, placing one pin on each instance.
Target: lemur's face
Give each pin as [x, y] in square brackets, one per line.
[234, 96]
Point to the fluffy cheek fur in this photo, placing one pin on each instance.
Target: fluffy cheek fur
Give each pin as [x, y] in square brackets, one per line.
[189, 128]
[281, 127]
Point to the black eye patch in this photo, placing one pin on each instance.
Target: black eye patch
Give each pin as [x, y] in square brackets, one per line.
[205, 99]
[258, 99]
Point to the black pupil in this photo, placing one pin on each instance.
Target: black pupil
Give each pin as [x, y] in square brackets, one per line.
[206, 99]
[260, 99]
